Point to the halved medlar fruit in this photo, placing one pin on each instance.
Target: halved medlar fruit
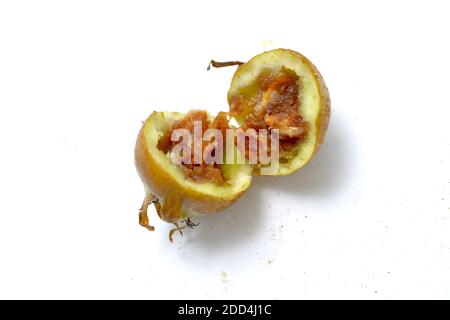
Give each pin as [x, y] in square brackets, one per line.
[279, 92]
[180, 190]
[281, 89]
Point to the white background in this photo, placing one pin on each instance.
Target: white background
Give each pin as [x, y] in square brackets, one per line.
[368, 218]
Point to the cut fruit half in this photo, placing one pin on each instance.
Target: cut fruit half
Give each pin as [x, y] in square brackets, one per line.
[181, 191]
[281, 89]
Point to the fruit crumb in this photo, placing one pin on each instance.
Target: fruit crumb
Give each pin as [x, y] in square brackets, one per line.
[224, 277]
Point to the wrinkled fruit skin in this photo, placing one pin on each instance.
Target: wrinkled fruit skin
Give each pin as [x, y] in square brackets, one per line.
[322, 120]
[176, 201]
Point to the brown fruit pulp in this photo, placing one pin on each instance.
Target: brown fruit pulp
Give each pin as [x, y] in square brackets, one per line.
[202, 172]
[275, 106]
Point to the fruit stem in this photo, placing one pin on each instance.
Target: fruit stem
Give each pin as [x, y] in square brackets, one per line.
[143, 216]
[217, 64]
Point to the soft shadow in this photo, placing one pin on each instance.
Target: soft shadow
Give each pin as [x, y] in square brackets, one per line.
[230, 228]
[328, 171]
[325, 176]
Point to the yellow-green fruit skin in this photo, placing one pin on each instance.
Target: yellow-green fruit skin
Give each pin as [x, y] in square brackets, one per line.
[178, 200]
[323, 103]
